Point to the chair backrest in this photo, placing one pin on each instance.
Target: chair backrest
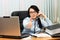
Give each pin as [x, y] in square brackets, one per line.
[22, 15]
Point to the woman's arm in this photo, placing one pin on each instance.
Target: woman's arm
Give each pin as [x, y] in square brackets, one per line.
[46, 21]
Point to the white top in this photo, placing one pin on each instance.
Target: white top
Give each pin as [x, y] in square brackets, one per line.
[44, 23]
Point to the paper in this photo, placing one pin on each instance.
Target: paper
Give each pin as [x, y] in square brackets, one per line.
[27, 38]
[41, 35]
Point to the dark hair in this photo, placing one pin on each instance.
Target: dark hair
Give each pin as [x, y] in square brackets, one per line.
[34, 7]
[37, 10]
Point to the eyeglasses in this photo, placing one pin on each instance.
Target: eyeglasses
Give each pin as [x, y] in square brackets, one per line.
[33, 12]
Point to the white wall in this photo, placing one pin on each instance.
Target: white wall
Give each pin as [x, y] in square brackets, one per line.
[25, 4]
[58, 11]
[8, 6]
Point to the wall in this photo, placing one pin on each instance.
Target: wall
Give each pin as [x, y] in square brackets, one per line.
[8, 6]
[25, 4]
[58, 11]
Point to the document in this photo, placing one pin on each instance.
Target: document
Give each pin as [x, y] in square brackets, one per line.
[41, 35]
[27, 38]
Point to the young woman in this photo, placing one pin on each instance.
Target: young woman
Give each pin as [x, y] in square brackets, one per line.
[33, 23]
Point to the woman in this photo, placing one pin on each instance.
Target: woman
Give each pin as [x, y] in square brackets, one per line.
[33, 24]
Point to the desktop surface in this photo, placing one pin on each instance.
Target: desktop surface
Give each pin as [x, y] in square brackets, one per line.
[32, 38]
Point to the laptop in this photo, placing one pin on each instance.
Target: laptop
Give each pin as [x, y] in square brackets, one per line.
[9, 26]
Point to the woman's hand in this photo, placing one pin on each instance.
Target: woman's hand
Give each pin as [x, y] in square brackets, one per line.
[41, 14]
[29, 24]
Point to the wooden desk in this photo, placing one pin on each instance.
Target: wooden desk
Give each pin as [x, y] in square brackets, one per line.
[8, 39]
[36, 38]
[32, 38]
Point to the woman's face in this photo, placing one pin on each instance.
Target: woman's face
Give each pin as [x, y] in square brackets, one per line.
[33, 13]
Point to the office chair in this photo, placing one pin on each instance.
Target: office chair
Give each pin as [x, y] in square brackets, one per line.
[22, 15]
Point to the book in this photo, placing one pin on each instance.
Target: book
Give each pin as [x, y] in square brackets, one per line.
[53, 30]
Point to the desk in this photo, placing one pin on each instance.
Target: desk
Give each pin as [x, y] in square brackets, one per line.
[33, 38]
[39, 38]
[8, 39]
